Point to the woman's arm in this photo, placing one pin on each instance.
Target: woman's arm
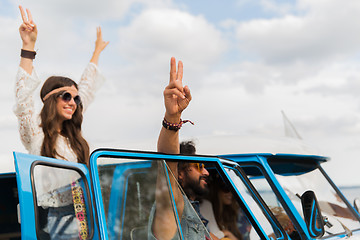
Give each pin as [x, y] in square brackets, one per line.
[26, 83]
[100, 45]
[92, 79]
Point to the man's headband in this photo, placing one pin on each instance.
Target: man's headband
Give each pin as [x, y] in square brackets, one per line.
[56, 90]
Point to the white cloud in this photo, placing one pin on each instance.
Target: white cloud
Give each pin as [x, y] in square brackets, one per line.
[153, 36]
[327, 30]
[90, 10]
[80, 9]
[158, 33]
[278, 7]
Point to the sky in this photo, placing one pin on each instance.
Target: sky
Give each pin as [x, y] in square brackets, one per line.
[245, 62]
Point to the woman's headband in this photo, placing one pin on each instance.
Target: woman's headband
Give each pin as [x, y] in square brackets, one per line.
[56, 90]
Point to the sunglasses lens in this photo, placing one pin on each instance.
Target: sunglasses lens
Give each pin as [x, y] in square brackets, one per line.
[199, 166]
[66, 97]
[77, 100]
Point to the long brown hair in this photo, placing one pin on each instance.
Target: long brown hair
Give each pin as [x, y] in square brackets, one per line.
[225, 215]
[71, 129]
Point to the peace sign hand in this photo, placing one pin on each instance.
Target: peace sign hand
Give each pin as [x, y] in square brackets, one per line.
[176, 97]
[100, 44]
[28, 30]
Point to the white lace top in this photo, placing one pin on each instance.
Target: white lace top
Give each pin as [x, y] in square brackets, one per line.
[32, 135]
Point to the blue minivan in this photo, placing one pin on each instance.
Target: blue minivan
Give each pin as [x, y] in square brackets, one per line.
[280, 196]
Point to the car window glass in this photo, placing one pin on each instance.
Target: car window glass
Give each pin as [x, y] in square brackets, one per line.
[263, 187]
[9, 221]
[220, 201]
[61, 203]
[250, 199]
[340, 218]
[128, 189]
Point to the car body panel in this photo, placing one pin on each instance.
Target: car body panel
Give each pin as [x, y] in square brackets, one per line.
[125, 164]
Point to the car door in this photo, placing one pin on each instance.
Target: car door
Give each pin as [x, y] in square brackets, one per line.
[126, 185]
[118, 195]
[55, 198]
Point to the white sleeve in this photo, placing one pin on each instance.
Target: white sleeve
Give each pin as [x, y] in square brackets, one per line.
[25, 86]
[91, 80]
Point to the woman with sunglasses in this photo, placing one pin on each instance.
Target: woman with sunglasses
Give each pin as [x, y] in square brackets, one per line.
[58, 133]
[222, 211]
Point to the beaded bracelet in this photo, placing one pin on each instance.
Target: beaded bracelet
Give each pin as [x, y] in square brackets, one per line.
[174, 126]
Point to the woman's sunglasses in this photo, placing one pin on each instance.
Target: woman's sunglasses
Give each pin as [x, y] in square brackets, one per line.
[225, 189]
[66, 97]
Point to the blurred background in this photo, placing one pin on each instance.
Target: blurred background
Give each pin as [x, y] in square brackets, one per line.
[265, 75]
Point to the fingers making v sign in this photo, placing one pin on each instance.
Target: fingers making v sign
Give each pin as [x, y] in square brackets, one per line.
[176, 96]
[28, 30]
[100, 44]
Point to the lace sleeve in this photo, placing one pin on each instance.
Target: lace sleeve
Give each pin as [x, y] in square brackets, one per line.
[91, 81]
[24, 107]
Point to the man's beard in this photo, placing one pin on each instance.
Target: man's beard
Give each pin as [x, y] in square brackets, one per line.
[193, 188]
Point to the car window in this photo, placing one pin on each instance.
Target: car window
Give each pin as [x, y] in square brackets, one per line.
[227, 207]
[270, 228]
[9, 222]
[128, 189]
[340, 218]
[61, 203]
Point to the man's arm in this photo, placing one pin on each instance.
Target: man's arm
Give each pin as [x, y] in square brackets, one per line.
[176, 99]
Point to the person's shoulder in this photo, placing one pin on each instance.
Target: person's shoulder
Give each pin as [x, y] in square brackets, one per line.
[206, 202]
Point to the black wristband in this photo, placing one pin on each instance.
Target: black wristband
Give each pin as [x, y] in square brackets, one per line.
[28, 54]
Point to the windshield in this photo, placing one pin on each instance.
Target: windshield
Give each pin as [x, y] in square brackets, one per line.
[340, 218]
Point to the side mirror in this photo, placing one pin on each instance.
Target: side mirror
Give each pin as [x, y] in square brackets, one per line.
[312, 214]
[357, 204]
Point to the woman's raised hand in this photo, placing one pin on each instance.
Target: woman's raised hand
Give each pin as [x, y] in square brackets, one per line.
[28, 30]
[100, 45]
[176, 96]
